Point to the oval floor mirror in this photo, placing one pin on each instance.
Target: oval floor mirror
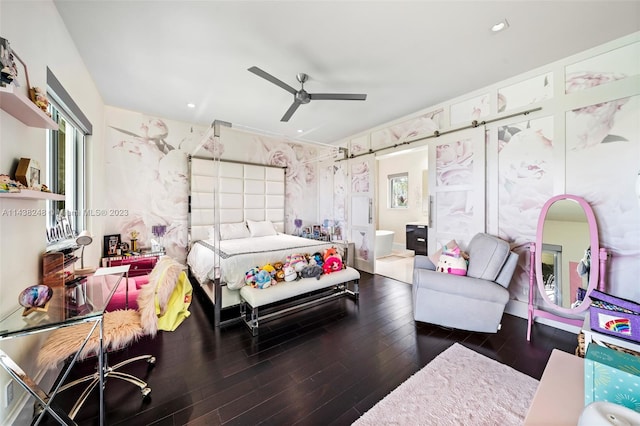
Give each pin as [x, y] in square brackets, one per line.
[564, 261]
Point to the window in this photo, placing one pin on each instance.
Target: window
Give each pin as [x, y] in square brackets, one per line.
[398, 190]
[66, 174]
[66, 155]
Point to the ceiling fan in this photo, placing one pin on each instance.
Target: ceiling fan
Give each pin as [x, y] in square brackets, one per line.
[302, 96]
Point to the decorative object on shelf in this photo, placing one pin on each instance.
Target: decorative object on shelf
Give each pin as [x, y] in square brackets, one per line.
[83, 240]
[35, 298]
[28, 173]
[111, 245]
[9, 72]
[39, 98]
[298, 224]
[158, 231]
[8, 185]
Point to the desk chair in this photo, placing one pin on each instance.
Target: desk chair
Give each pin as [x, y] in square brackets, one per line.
[122, 327]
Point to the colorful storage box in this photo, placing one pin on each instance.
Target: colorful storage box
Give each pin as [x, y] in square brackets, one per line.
[611, 376]
[615, 316]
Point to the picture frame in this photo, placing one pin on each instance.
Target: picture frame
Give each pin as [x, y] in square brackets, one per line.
[111, 245]
[317, 230]
[28, 173]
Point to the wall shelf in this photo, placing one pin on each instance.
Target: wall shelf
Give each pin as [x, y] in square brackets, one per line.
[30, 194]
[21, 107]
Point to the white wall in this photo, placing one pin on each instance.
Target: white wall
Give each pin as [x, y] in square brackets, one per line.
[413, 163]
[36, 32]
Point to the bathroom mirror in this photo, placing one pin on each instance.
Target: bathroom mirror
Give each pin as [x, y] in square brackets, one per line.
[566, 242]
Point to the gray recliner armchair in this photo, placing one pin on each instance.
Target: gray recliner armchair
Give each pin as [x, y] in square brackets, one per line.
[474, 302]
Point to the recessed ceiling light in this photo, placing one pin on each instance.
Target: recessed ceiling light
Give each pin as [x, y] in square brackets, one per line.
[500, 26]
[191, 105]
[300, 130]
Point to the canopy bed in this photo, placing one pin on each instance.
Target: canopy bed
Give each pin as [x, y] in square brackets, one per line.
[566, 261]
[236, 222]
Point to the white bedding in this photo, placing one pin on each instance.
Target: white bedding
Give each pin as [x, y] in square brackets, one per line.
[240, 255]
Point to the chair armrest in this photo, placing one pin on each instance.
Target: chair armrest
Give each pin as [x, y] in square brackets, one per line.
[423, 262]
[506, 273]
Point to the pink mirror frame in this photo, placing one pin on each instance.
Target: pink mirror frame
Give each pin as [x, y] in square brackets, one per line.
[596, 276]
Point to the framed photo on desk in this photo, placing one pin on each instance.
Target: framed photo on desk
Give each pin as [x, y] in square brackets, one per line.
[111, 244]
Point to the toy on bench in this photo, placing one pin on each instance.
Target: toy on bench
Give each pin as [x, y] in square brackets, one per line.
[320, 278]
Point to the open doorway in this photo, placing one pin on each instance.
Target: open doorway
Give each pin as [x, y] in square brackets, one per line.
[401, 200]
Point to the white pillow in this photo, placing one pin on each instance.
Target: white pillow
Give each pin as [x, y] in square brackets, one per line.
[261, 229]
[233, 231]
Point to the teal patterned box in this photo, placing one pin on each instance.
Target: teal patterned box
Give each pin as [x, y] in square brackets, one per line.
[611, 376]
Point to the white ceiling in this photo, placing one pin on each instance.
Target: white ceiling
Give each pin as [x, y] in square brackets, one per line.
[156, 56]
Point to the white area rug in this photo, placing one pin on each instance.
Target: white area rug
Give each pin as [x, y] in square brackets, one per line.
[459, 387]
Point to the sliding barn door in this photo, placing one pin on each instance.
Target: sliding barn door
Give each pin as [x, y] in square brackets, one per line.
[363, 224]
[456, 187]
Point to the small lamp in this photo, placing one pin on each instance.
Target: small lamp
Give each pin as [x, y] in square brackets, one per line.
[84, 239]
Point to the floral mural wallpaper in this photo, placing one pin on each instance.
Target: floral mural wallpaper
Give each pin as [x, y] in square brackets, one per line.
[424, 124]
[146, 161]
[525, 183]
[146, 165]
[603, 166]
[525, 176]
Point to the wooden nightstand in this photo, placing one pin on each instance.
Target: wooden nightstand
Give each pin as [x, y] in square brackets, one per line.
[141, 264]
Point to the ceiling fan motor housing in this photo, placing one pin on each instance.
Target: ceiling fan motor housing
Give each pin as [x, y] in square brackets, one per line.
[302, 96]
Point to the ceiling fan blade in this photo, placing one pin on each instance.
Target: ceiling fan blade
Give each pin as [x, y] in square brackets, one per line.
[338, 96]
[257, 71]
[287, 115]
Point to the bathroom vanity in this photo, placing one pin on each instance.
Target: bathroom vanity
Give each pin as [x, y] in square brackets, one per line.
[417, 238]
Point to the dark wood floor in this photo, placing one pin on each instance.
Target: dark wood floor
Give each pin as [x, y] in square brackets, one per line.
[327, 365]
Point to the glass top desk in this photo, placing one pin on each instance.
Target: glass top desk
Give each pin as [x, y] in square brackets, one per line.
[84, 301]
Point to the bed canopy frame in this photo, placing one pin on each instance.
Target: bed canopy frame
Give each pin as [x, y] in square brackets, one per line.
[230, 192]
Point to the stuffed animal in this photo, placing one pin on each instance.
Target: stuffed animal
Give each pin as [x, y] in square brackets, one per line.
[311, 271]
[289, 273]
[279, 275]
[297, 261]
[316, 259]
[329, 252]
[250, 276]
[332, 264]
[263, 279]
[452, 265]
[269, 268]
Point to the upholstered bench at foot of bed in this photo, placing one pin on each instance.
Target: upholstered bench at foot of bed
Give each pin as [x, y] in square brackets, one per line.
[254, 298]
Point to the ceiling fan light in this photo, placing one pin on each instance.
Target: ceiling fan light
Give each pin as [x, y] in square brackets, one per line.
[500, 26]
